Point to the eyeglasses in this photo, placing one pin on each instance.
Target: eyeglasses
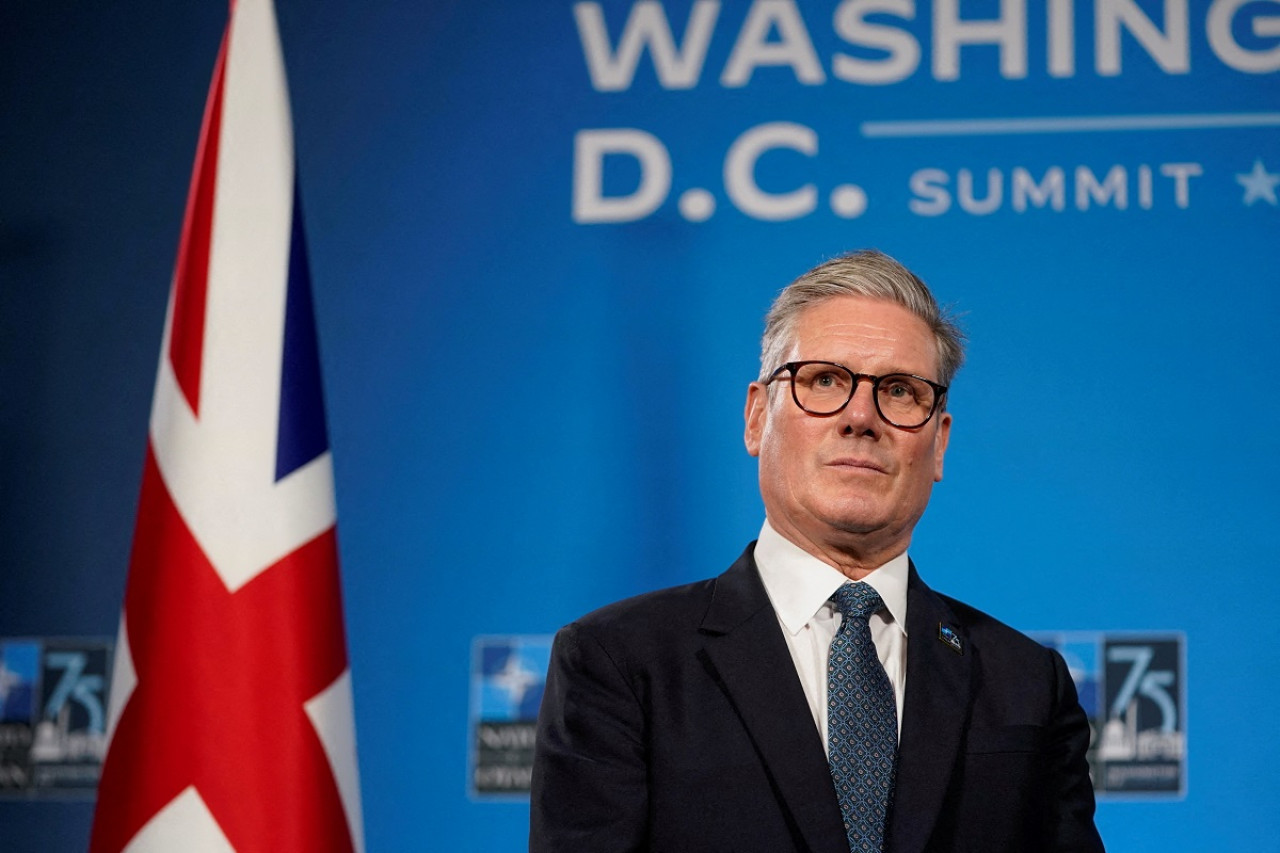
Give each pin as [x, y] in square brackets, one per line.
[824, 388]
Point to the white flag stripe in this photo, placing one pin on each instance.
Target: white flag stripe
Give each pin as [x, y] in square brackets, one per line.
[331, 712]
[124, 678]
[185, 825]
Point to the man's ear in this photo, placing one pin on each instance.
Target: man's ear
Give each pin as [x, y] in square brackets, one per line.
[940, 445]
[755, 414]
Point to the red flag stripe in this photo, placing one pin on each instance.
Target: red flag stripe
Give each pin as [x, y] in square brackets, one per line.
[191, 274]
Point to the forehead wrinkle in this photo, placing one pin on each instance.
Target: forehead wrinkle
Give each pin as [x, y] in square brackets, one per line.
[858, 344]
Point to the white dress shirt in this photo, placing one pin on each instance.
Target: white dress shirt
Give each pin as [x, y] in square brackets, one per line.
[800, 586]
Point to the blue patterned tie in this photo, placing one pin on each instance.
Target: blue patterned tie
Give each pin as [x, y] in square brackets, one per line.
[862, 721]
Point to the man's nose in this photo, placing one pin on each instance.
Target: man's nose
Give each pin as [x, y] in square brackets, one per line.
[860, 415]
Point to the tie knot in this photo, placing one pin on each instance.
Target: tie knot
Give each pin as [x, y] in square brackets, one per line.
[857, 600]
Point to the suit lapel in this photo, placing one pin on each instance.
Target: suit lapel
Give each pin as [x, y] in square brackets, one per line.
[745, 652]
[939, 686]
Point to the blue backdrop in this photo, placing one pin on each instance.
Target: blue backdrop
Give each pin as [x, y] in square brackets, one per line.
[541, 258]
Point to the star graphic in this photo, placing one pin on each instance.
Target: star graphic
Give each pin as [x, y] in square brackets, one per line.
[514, 679]
[222, 681]
[1259, 184]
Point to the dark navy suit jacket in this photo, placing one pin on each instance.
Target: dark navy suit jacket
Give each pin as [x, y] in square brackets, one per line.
[675, 721]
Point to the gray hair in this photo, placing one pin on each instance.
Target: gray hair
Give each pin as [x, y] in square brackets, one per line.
[866, 273]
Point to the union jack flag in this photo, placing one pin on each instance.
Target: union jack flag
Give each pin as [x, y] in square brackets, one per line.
[230, 725]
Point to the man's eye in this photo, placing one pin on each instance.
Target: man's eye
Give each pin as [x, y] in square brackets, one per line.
[900, 390]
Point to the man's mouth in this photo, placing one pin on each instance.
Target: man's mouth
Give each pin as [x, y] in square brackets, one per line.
[856, 463]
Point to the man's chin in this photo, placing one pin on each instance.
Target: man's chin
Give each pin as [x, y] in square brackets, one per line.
[853, 525]
[856, 516]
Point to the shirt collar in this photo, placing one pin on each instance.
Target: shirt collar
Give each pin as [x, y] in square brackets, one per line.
[799, 584]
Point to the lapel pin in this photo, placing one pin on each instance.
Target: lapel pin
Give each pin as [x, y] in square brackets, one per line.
[948, 635]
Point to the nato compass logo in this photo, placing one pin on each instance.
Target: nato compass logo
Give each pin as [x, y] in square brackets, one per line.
[508, 675]
[1132, 687]
[52, 714]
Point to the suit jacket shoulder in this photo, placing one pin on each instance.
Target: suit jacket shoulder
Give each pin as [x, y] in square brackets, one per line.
[652, 617]
[987, 626]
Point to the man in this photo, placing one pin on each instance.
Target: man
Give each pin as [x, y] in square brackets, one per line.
[763, 710]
